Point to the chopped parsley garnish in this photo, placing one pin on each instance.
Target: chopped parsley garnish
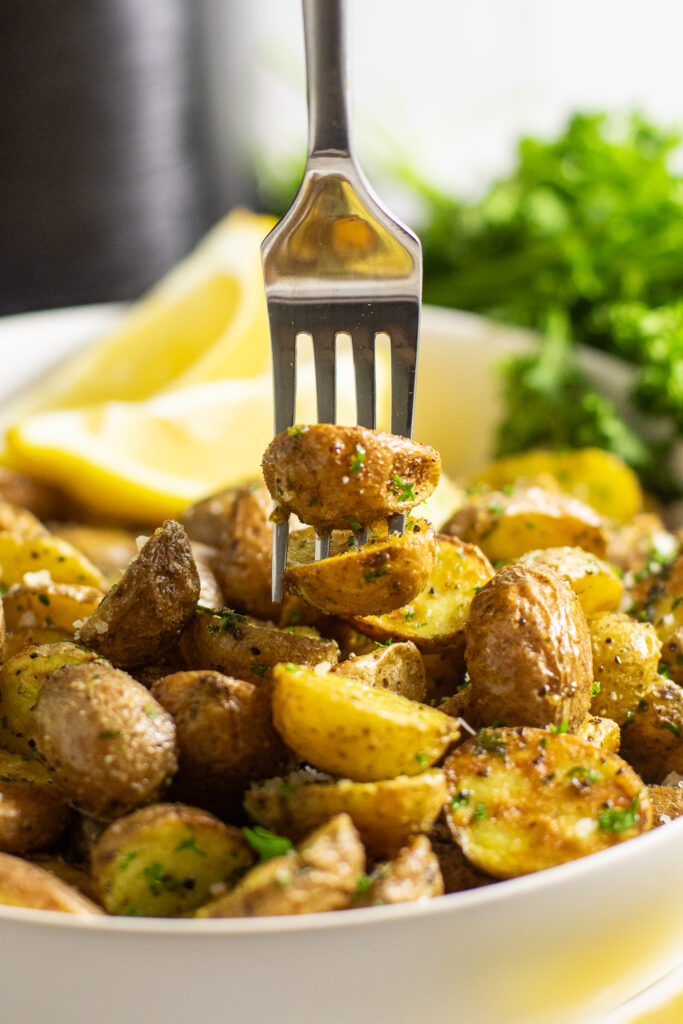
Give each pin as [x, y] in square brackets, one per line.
[260, 669]
[358, 459]
[595, 688]
[363, 883]
[619, 820]
[672, 727]
[109, 734]
[266, 844]
[562, 727]
[402, 490]
[460, 799]
[190, 844]
[353, 522]
[297, 430]
[479, 812]
[422, 758]
[490, 741]
[374, 574]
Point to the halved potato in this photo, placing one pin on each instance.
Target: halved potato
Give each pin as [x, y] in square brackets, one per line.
[26, 885]
[345, 727]
[435, 619]
[506, 526]
[326, 472]
[17, 642]
[398, 667]
[625, 659]
[31, 817]
[53, 558]
[413, 874]
[527, 799]
[166, 859]
[385, 573]
[18, 520]
[246, 649]
[321, 875]
[601, 732]
[596, 477]
[49, 605]
[386, 813]
[594, 581]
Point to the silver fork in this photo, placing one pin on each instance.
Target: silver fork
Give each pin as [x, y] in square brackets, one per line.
[338, 263]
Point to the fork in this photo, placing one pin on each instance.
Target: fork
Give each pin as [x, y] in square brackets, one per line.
[338, 263]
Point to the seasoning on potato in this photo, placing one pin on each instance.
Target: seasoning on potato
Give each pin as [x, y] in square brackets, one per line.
[325, 473]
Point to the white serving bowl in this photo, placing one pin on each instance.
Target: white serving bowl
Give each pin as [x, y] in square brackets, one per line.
[559, 947]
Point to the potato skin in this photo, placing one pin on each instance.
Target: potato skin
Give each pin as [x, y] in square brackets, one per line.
[145, 612]
[241, 647]
[26, 885]
[652, 734]
[31, 817]
[506, 526]
[435, 619]
[528, 650]
[325, 472]
[625, 659]
[164, 859]
[413, 874]
[527, 799]
[225, 733]
[110, 743]
[667, 803]
[345, 727]
[386, 813]
[398, 667]
[385, 573]
[321, 875]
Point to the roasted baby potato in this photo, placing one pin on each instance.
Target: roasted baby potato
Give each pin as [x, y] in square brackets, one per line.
[145, 612]
[166, 859]
[235, 645]
[109, 548]
[398, 667]
[522, 800]
[326, 472]
[52, 557]
[321, 875]
[413, 874]
[594, 582]
[110, 744]
[225, 733]
[506, 526]
[345, 727]
[49, 605]
[236, 524]
[652, 733]
[528, 650]
[664, 608]
[33, 813]
[19, 521]
[385, 573]
[21, 679]
[596, 477]
[601, 732]
[625, 659]
[667, 803]
[26, 885]
[17, 642]
[435, 619]
[386, 813]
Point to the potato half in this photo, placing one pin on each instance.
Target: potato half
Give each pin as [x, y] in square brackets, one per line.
[26, 885]
[593, 580]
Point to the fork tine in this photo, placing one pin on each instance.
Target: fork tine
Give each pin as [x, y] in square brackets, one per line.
[284, 399]
[325, 374]
[403, 366]
[280, 544]
[363, 342]
[322, 546]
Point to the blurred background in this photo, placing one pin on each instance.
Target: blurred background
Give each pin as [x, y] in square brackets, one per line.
[127, 128]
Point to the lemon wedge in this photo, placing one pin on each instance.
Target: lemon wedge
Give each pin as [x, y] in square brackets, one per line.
[147, 460]
[206, 319]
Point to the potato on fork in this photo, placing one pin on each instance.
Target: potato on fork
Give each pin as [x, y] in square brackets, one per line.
[338, 263]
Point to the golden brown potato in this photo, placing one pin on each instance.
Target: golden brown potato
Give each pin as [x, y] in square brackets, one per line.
[445, 673]
[347, 728]
[31, 816]
[48, 605]
[109, 548]
[625, 659]
[506, 526]
[386, 813]
[385, 573]
[145, 612]
[236, 524]
[23, 558]
[325, 473]
[17, 520]
[235, 645]
[594, 582]
[21, 679]
[165, 860]
[17, 642]
[526, 799]
[398, 667]
[225, 733]
[414, 874]
[652, 733]
[435, 619]
[601, 732]
[27, 885]
[321, 875]
[110, 744]
[594, 476]
[528, 650]
[667, 803]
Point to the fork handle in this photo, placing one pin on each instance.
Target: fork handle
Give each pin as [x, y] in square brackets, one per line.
[326, 76]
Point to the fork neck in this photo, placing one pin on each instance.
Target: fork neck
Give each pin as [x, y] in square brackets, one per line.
[327, 77]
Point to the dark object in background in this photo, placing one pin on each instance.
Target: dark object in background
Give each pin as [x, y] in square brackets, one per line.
[107, 172]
